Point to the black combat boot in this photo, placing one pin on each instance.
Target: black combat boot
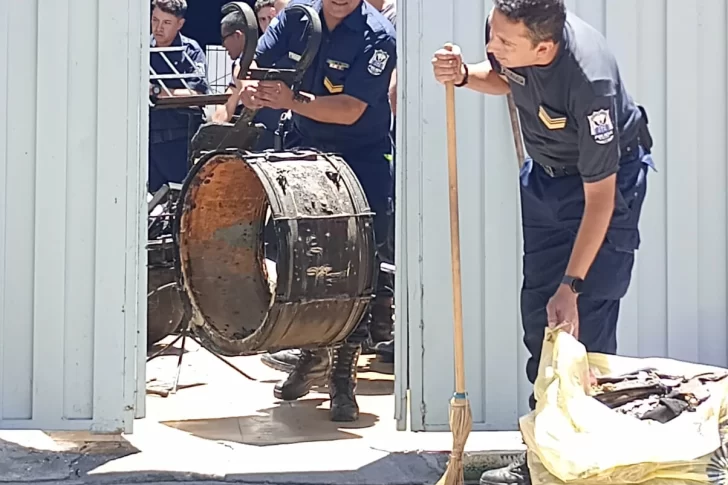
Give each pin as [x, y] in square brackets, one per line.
[381, 326]
[284, 360]
[385, 351]
[312, 366]
[514, 474]
[342, 383]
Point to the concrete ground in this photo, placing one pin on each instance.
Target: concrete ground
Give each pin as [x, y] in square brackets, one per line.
[221, 426]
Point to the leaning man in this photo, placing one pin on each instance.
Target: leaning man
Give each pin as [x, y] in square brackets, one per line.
[582, 191]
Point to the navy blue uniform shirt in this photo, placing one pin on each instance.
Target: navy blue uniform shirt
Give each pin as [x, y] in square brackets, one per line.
[576, 110]
[169, 124]
[356, 58]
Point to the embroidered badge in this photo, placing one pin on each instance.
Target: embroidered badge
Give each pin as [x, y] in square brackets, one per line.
[378, 62]
[601, 126]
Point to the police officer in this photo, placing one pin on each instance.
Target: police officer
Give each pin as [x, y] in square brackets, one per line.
[232, 28]
[582, 191]
[169, 128]
[345, 109]
[381, 328]
[265, 11]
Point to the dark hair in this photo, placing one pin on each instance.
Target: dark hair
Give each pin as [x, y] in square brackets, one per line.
[544, 19]
[178, 8]
[232, 22]
[261, 4]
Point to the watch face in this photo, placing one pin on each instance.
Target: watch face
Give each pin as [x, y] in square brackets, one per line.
[576, 285]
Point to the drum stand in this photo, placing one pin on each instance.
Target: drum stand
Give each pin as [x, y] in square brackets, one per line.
[183, 335]
[186, 332]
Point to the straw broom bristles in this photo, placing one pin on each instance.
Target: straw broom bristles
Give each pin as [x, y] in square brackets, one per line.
[461, 423]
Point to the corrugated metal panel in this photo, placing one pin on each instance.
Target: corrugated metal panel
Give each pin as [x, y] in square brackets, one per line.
[673, 57]
[70, 238]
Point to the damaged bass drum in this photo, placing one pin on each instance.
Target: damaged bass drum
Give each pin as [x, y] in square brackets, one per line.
[323, 229]
[165, 308]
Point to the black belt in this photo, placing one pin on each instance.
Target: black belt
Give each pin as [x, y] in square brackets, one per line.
[556, 172]
[567, 170]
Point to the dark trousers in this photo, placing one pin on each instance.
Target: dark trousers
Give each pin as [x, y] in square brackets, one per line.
[552, 208]
[167, 162]
[373, 168]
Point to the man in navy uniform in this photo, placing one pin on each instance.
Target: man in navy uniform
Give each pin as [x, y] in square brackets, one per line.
[232, 32]
[169, 128]
[344, 109]
[582, 191]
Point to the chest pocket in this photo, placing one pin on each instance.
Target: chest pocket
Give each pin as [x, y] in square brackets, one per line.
[551, 119]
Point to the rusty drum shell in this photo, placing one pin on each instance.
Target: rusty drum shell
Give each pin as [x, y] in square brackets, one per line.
[326, 253]
[165, 307]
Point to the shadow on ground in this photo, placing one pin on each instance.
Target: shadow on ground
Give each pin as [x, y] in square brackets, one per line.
[287, 423]
[19, 464]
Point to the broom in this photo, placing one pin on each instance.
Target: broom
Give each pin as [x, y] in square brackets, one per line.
[516, 129]
[461, 418]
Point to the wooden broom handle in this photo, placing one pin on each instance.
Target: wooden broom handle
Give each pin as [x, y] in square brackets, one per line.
[516, 130]
[457, 299]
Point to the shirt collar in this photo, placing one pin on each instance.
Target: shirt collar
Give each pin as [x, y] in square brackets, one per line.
[176, 42]
[356, 20]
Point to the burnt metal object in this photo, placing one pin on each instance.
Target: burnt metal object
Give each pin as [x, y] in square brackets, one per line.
[647, 394]
[243, 134]
[191, 101]
[324, 231]
[176, 102]
[165, 308]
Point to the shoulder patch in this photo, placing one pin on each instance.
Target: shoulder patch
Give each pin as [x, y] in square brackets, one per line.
[601, 126]
[378, 62]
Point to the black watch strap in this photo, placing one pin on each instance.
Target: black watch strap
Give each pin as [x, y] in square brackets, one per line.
[465, 77]
[574, 283]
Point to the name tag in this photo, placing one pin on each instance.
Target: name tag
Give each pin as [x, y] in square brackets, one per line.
[337, 65]
[293, 56]
[516, 78]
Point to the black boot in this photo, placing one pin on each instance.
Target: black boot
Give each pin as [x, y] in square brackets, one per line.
[381, 326]
[385, 351]
[283, 360]
[342, 383]
[312, 366]
[514, 474]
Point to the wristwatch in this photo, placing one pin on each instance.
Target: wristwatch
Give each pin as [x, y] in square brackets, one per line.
[574, 283]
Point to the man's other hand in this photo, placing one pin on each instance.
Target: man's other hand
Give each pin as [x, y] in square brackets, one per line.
[249, 96]
[275, 94]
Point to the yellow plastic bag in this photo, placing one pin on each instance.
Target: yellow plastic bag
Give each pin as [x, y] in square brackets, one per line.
[573, 438]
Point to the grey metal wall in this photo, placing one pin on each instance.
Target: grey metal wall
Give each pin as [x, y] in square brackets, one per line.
[71, 77]
[673, 56]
